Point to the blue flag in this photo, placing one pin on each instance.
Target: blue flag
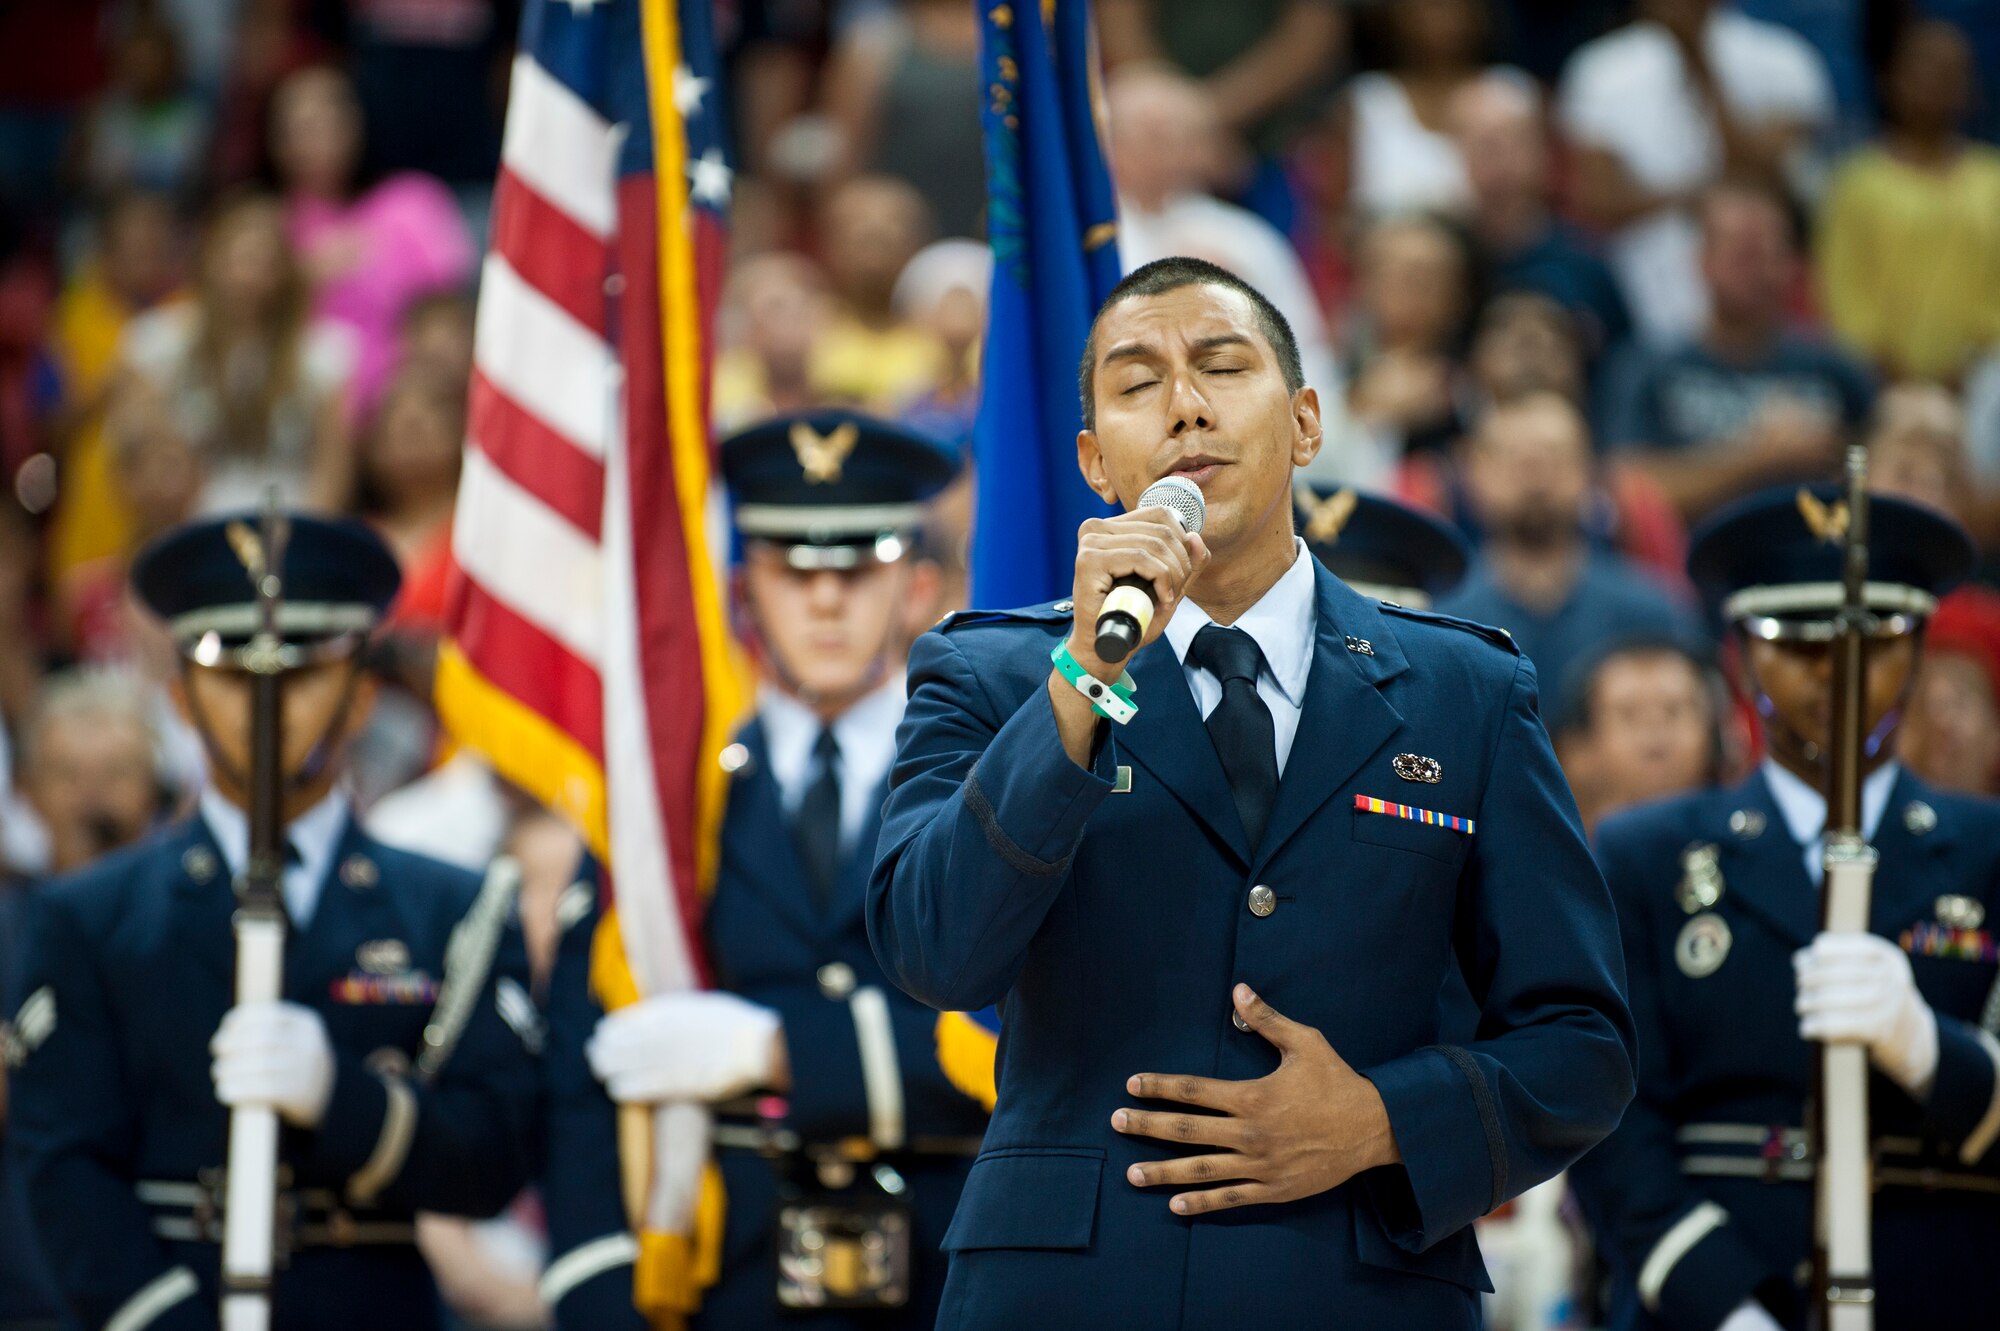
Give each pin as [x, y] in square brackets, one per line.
[1052, 223]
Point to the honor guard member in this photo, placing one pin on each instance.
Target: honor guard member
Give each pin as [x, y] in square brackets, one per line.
[842, 1145]
[398, 1063]
[1702, 1199]
[1218, 886]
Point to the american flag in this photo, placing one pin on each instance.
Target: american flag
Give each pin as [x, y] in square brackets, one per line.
[588, 656]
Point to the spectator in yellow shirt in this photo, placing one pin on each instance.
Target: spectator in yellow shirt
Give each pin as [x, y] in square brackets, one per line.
[137, 263]
[1909, 243]
[870, 228]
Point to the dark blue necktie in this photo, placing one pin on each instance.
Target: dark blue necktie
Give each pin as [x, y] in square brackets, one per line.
[816, 825]
[1240, 726]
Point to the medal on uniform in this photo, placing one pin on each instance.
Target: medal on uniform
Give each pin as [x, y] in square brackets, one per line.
[1701, 879]
[1702, 946]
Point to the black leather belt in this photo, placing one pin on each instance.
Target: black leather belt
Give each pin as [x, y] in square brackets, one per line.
[1780, 1154]
[766, 1138]
[739, 1127]
[191, 1212]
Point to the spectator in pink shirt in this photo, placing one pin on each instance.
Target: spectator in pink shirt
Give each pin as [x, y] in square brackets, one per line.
[370, 252]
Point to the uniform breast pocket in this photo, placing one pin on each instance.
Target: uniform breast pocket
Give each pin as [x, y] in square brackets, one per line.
[1431, 840]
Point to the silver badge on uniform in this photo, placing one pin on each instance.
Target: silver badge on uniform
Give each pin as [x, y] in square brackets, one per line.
[1957, 912]
[198, 863]
[1919, 817]
[518, 1010]
[1702, 946]
[1701, 878]
[34, 1023]
[1416, 767]
[383, 956]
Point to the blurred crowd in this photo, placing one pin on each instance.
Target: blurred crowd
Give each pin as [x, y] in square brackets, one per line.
[1572, 273]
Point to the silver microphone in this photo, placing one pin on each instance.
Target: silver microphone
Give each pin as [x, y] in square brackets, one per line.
[1128, 609]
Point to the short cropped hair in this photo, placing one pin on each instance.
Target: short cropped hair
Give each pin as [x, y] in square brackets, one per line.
[1171, 274]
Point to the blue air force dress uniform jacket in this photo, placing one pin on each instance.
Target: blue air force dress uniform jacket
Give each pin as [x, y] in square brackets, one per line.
[1703, 1196]
[1113, 908]
[866, 1086]
[115, 1126]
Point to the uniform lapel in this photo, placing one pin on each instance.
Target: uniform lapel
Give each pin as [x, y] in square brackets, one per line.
[850, 895]
[206, 904]
[1766, 872]
[354, 907]
[1168, 737]
[1344, 717]
[757, 848]
[1909, 876]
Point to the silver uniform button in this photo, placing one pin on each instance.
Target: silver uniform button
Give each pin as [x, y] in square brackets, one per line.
[1262, 901]
[734, 758]
[199, 863]
[1747, 823]
[836, 979]
[1063, 607]
[1236, 1020]
[359, 872]
[1920, 817]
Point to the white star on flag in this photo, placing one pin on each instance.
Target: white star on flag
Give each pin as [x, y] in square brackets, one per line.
[688, 90]
[709, 178]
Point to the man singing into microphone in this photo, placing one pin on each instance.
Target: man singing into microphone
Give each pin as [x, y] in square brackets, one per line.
[1218, 925]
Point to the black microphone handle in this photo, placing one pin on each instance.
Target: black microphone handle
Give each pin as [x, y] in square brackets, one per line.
[1119, 631]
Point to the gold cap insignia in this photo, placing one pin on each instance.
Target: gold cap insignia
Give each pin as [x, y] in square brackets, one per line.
[1827, 522]
[249, 547]
[823, 455]
[1326, 518]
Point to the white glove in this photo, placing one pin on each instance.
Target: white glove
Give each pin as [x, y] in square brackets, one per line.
[1750, 1316]
[275, 1055]
[1857, 989]
[704, 1045]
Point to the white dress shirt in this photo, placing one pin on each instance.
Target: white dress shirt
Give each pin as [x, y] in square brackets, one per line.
[1283, 623]
[1804, 809]
[315, 833]
[865, 733]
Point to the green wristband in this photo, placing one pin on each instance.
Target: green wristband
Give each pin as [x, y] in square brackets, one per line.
[1113, 702]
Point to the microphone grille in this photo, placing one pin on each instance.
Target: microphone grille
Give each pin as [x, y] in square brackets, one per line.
[1180, 497]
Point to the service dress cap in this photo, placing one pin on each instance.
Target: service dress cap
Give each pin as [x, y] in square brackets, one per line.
[1379, 547]
[1771, 563]
[836, 488]
[338, 579]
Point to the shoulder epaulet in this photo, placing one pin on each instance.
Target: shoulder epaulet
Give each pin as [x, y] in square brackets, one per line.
[1499, 637]
[1049, 612]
